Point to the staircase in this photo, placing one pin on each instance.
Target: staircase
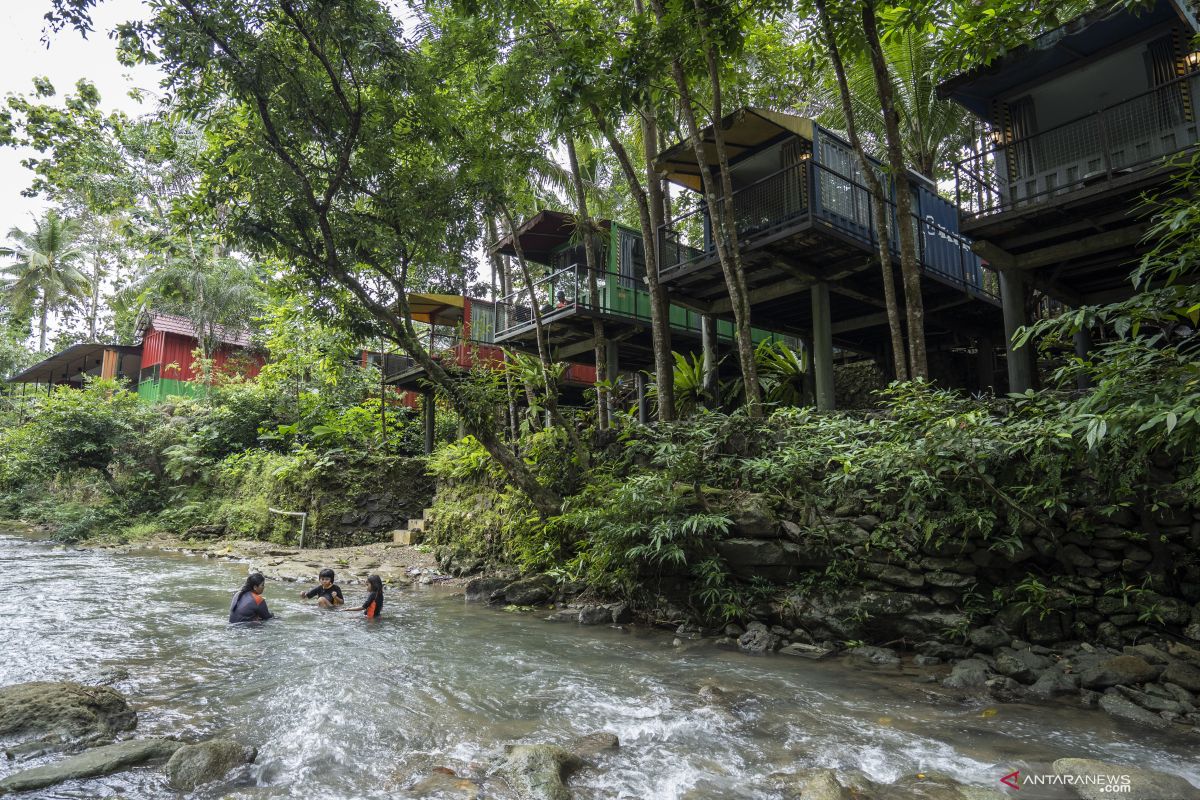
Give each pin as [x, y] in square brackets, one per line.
[413, 531]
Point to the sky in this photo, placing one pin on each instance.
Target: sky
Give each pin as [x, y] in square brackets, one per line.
[69, 58]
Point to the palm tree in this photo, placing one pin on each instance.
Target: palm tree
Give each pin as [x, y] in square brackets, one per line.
[44, 276]
[933, 130]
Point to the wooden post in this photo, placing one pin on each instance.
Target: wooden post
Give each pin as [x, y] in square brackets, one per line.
[642, 410]
[1083, 347]
[822, 346]
[430, 415]
[1012, 301]
[708, 345]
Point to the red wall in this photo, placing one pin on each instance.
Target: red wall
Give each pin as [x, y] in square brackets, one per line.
[161, 349]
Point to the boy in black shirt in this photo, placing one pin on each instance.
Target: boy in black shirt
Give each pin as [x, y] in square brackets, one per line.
[330, 593]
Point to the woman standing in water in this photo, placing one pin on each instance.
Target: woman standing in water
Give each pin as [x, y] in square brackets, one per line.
[248, 604]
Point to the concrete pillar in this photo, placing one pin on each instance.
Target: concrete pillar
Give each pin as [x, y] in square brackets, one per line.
[430, 414]
[985, 364]
[612, 359]
[1083, 347]
[708, 345]
[822, 346]
[642, 406]
[1020, 360]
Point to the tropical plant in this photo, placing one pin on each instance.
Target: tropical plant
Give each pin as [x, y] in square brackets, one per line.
[44, 276]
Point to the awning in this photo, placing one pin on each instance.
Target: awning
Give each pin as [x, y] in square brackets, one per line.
[541, 235]
[436, 309]
[746, 130]
[71, 364]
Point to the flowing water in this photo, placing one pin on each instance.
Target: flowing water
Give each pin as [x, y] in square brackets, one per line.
[340, 707]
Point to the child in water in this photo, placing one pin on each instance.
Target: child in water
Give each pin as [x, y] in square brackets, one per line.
[248, 604]
[373, 605]
[328, 592]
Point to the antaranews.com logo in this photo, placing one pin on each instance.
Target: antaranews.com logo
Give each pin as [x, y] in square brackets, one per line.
[1107, 784]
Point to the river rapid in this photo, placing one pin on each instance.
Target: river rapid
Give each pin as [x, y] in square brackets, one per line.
[340, 707]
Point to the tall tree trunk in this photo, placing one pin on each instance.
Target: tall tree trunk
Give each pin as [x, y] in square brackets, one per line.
[720, 210]
[94, 311]
[599, 342]
[42, 322]
[549, 382]
[660, 302]
[910, 266]
[875, 188]
[664, 364]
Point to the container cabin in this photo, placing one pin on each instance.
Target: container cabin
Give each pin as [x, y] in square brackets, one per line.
[460, 332]
[809, 243]
[77, 363]
[621, 301]
[169, 366]
[1081, 122]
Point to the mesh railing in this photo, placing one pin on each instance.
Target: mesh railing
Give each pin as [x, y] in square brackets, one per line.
[1123, 138]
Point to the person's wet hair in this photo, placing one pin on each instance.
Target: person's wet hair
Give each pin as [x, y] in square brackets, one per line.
[253, 581]
[325, 573]
[376, 583]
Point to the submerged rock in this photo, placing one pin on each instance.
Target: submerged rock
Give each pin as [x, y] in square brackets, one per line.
[593, 744]
[1122, 709]
[1094, 777]
[822, 784]
[91, 763]
[445, 783]
[197, 764]
[874, 656]
[539, 771]
[63, 715]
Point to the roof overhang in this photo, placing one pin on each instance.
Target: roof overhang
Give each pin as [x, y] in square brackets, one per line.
[745, 131]
[541, 235]
[76, 359]
[1072, 44]
[436, 309]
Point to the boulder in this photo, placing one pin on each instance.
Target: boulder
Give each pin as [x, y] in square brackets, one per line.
[63, 715]
[1120, 708]
[989, 637]
[969, 673]
[812, 651]
[595, 615]
[102, 760]
[1096, 780]
[197, 764]
[539, 771]
[936, 786]
[481, 590]
[757, 639]
[948, 580]
[1053, 682]
[445, 784]
[1004, 689]
[1021, 665]
[1119, 670]
[530, 591]
[896, 576]
[1182, 674]
[874, 656]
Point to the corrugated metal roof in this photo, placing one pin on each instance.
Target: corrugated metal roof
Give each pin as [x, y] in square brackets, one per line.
[173, 323]
[75, 360]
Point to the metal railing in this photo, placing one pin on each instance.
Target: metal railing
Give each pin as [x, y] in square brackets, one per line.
[1118, 140]
[812, 191]
[566, 291]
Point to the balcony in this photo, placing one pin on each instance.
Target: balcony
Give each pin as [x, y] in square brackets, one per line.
[823, 193]
[564, 297]
[1104, 150]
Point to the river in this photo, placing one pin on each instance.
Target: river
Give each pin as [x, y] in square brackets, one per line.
[340, 707]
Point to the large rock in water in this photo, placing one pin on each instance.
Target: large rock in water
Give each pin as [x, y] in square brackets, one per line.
[1120, 708]
[90, 763]
[530, 591]
[196, 764]
[539, 771]
[1144, 784]
[55, 716]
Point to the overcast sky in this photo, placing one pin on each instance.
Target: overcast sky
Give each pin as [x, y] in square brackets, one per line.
[69, 58]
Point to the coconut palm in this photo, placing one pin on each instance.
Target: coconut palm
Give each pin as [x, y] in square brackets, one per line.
[44, 276]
